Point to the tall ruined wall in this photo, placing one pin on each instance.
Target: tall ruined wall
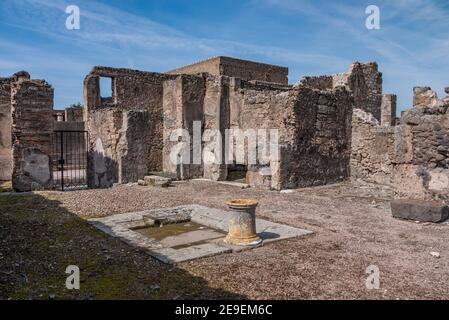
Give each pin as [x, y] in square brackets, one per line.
[5, 129]
[32, 118]
[314, 132]
[388, 110]
[216, 117]
[137, 100]
[319, 150]
[263, 107]
[242, 69]
[183, 104]
[365, 82]
[421, 167]
[104, 133]
[372, 149]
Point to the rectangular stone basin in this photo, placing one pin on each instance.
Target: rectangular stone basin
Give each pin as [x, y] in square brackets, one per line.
[178, 235]
[186, 232]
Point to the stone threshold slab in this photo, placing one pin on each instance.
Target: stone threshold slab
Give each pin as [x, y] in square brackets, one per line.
[121, 226]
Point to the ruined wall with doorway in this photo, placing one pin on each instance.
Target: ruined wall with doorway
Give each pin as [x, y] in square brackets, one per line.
[126, 129]
[255, 109]
[314, 130]
[32, 129]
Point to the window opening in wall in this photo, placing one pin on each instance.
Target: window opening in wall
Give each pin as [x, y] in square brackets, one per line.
[106, 89]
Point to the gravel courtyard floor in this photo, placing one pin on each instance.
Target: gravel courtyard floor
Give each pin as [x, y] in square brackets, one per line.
[41, 234]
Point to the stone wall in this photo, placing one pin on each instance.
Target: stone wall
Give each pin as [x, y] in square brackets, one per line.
[319, 148]
[5, 129]
[421, 168]
[317, 82]
[216, 116]
[365, 82]
[74, 114]
[314, 132]
[372, 149]
[32, 119]
[263, 107]
[313, 119]
[362, 79]
[232, 67]
[183, 104]
[388, 110]
[68, 126]
[126, 127]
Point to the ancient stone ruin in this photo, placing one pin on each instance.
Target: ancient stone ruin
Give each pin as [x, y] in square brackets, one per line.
[130, 131]
[331, 128]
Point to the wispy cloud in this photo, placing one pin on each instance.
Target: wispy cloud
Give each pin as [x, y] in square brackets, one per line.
[325, 36]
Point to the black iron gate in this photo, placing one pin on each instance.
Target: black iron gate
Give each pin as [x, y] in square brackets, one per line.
[70, 159]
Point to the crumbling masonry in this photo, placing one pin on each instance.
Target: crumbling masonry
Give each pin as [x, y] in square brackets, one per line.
[130, 131]
[331, 128]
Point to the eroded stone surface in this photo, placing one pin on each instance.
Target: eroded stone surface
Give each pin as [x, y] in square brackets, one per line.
[419, 210]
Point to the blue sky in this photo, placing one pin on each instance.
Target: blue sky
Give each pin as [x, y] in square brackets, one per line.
[310, 37]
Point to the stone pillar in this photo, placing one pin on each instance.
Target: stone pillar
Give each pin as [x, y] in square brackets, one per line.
[183, 105]
[5, 129]
[388, 110]
[92, 98]
[216, 119]
[32, 120]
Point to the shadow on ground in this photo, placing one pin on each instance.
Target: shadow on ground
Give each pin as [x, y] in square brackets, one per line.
[40, 238]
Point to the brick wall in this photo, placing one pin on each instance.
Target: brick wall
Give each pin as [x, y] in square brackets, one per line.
[32, 119]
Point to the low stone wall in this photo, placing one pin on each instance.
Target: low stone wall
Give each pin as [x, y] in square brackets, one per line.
[74, 114]
[68, 126]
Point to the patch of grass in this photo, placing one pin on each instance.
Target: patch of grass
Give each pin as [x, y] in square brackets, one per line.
[5, 186]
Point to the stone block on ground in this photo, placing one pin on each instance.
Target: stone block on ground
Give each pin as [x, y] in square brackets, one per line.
[420, 210]
[157, 181]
